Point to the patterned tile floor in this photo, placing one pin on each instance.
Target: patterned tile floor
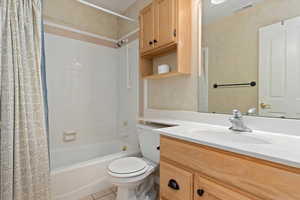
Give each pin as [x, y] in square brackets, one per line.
[108, 194]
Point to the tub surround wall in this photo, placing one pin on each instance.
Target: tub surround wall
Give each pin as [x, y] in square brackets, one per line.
[82, 91]
[128, 92]
[88, 94]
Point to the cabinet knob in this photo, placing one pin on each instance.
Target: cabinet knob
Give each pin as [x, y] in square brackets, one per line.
[173, 184]
[155, 41]
[158, 148]
[150, 42]
[200, 192]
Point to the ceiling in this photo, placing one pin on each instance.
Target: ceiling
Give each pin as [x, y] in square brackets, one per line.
[214, 12]
[211, 12]
[116, 5]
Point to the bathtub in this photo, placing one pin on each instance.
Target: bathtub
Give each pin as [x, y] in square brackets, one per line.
[80, 171]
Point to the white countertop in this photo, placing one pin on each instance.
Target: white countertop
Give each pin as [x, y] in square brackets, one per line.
[275, 147]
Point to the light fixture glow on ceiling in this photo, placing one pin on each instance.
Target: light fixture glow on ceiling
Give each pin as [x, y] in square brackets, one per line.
[217, 1]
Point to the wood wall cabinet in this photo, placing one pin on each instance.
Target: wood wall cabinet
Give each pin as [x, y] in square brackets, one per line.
[158, 24]
[164, 22]
[147, 28]
[192, 171]
[165, 27]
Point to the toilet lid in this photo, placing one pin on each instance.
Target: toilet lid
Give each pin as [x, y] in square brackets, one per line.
[127, 165]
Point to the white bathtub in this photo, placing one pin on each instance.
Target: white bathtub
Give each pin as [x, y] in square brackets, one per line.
[78, 172]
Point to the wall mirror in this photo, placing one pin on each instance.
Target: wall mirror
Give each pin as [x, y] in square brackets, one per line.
[250, 57]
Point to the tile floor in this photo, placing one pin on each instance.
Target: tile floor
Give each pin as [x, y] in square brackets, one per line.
[108, 194]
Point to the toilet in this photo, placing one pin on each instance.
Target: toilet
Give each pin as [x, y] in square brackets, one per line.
[130, 172]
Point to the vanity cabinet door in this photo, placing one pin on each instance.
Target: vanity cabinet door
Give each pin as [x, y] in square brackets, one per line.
[147, 28]
[209, 190]
[175, 183]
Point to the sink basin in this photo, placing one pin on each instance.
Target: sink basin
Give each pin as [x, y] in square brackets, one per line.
[229, 136]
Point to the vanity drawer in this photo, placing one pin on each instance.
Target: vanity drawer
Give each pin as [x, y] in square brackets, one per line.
[263, 179]
[175, 183]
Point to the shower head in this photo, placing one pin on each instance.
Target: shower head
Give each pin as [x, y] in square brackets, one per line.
[120, 43]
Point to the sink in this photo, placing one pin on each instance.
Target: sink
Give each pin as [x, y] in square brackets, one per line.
[229, 136]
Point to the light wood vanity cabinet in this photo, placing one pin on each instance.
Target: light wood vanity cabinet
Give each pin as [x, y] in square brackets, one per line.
[192, 171]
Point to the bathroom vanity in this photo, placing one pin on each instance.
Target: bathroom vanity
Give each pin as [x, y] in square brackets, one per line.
[193, 171]
[202, 161]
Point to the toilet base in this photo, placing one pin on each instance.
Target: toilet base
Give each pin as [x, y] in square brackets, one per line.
[125, 193]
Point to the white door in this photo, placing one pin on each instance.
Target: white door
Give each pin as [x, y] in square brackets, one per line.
[273, 99]
[279, 69]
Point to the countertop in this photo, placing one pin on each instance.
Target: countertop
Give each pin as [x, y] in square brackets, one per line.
[275, 147]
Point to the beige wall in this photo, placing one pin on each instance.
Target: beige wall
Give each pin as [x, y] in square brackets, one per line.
[233, 52]
[125, 26]
[76, 15]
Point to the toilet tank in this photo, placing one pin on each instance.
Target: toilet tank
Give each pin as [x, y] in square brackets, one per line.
[149, 141]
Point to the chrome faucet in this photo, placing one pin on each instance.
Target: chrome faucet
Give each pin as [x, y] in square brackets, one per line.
[238, 123]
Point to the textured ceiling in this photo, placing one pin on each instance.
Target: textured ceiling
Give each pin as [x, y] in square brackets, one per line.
[213, 12]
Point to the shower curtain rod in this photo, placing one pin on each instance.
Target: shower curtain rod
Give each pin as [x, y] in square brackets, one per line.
[106, 10]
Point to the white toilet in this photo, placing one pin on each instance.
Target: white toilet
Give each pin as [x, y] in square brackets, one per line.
[130, 172]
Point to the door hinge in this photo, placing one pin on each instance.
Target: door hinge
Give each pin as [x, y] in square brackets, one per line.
[174, 33]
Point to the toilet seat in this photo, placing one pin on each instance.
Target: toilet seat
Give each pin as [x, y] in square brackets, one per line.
[127, 167]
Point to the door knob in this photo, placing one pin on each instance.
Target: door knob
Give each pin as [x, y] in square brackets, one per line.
[265, 106]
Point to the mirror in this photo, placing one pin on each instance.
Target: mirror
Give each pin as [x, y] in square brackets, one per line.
[250, 57]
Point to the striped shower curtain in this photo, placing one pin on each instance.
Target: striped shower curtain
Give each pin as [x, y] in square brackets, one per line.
[24, 161]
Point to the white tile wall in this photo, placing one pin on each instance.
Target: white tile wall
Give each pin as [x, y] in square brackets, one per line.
[82, 90]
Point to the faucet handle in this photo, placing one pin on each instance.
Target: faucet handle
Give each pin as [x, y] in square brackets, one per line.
[236, 113]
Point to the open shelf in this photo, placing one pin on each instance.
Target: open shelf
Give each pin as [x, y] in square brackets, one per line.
[166, 75]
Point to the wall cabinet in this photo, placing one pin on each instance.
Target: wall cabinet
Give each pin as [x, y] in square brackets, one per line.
[165, 27]
[147, 28]
[165, 22]
[192, 171]
[157, 24]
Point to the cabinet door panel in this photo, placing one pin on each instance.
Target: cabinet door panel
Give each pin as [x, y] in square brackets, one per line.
[175, 183]
[209, 190]
[165, 22]
[147, 28]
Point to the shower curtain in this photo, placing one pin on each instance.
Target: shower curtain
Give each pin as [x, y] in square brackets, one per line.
[24, 161]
